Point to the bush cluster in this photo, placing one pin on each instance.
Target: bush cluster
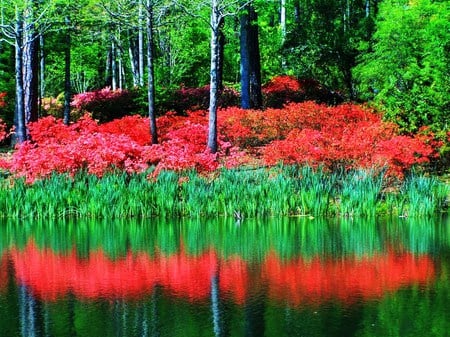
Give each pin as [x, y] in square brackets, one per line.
[284, 89]
[106, 104]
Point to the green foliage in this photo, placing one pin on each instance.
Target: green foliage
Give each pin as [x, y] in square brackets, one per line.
[408, 71]
[282, 190]
[325, 40]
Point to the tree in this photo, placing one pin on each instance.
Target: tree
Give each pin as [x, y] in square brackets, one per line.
[250, 63]
[326, 39]
[219, 10]
[31, 63]
[67, 72]
[408, 70]
[20, 28]
[150, 73]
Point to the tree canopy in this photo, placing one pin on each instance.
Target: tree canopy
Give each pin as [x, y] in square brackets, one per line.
[392, 52]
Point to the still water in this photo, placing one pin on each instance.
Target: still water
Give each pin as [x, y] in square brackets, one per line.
[274, 277]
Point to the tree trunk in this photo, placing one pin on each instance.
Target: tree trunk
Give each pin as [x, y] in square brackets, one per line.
[297, 11]
[120, 71]
[30, 65]
[245, 61]
[67, 73]
[113, 65]
[19, 116]
[251, 96]
[134, 58]
[213, 88]
[141, 45]
[255, 62]
[30, 76]
[41, 71]
[221, 56]
[151, 76]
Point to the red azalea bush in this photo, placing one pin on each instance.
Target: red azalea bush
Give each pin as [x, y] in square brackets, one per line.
[257, 128]
[3, 131]
[348, 136]
[345, 136]
[106, 104]
[85, 145]
[3, 99]
[285, 89]
[281, 90]
[135, 127]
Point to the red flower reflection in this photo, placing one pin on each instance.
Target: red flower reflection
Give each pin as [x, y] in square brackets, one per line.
[3, 272]
[51, 275]
[298, 281]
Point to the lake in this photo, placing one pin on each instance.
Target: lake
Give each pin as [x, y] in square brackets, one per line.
[218, 277]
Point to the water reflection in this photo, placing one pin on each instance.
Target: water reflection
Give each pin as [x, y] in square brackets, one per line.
[192, 278]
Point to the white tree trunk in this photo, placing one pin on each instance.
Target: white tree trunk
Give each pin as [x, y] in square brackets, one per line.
[141, 44]
[213, 89]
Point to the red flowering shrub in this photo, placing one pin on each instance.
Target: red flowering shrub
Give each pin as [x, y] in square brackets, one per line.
[281, 90]
[256, 128]
[135, 127]
[347, 136]
[285, 89]
[106, 104]
[85, 145]
[3, 132]
[3, 99]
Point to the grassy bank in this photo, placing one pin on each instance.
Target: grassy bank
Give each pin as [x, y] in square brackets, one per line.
[282, 190]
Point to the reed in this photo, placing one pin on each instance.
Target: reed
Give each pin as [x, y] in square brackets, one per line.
[239, 193]
[424, 195]
[360, 192]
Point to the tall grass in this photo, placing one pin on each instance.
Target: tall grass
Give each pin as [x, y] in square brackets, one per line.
[360, 192]
[239, 193]
[424, 195]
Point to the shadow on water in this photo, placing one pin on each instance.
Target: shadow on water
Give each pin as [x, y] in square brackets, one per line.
[273, 277]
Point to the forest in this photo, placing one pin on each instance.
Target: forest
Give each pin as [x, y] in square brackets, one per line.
[394, 53]
[96, 86]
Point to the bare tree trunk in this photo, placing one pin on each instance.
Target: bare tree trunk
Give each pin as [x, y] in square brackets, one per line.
[213, 89]
[150, 69]
[134, 58]
[30, 65]
[108, 68]
[251, 96]
[255, 64]
[221, 56]
[141, 44]
[41, 71]
[19, 116]
[113, 65]
[30, 76]
[245, 61]
[297, 11]
[120, 72]
[67, 74]
[283, 29]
